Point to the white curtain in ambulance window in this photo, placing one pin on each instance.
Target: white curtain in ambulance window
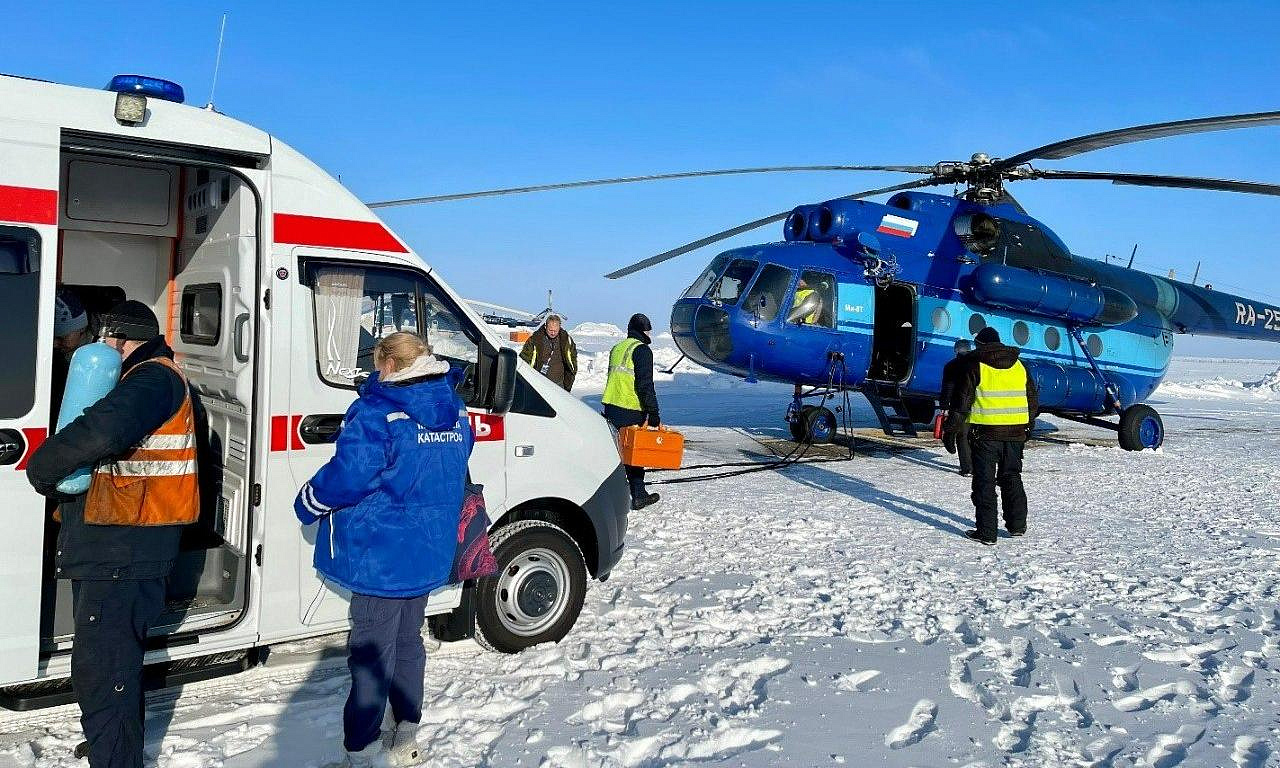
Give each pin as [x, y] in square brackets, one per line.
[340, 299]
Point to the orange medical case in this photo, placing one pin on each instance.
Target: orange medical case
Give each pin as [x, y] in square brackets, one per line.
[659, 448]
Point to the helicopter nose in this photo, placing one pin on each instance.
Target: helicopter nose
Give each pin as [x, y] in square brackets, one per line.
[703, 333]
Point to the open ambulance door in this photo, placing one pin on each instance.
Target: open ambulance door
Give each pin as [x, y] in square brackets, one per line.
[28, 273]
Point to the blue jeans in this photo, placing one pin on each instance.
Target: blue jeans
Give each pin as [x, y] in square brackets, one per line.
[387, 659]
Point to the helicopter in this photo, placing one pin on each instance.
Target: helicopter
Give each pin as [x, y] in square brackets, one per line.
[872, 297]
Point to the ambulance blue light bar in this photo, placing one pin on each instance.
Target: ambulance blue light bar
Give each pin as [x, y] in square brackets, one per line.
[147, 86]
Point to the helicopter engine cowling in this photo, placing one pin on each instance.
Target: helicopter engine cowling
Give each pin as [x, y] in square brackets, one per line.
[1059, 297]
[797, 224]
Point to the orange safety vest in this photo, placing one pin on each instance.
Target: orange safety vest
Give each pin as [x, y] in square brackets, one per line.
[154, 482]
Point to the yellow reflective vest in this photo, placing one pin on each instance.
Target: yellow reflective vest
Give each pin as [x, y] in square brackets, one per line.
[620, 387]
[801, 295]
[1001, 396]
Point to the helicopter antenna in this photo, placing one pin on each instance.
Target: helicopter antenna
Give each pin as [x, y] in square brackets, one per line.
[217, 62]
[1131, 255]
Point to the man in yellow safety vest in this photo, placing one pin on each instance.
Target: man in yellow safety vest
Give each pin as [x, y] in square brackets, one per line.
[998, 400]
[629, 398]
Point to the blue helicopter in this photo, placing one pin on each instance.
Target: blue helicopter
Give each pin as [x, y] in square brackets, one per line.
[872, 297]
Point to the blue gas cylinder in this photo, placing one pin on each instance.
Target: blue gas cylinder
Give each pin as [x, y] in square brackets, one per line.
[95, 369]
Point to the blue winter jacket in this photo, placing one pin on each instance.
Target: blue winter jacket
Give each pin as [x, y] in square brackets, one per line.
[388, 502]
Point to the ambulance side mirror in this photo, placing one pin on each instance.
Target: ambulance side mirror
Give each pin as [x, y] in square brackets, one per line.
[504, 381]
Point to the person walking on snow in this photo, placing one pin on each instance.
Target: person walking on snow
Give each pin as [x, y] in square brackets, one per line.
[958, 441]
[629, 398]
[388, 505]
[119, 540]
[550, 350]
[998, 400]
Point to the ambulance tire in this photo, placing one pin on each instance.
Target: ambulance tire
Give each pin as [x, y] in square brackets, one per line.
[537, 593]
[1140, 428]
[819, 426]
[797, 426]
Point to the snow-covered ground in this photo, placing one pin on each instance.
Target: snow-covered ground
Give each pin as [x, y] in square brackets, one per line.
[832, 614]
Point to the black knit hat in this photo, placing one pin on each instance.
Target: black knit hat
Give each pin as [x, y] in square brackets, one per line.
[987, 335]
[131, 320]
[639, 322]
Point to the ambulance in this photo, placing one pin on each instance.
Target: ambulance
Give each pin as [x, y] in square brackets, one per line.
[272, 284]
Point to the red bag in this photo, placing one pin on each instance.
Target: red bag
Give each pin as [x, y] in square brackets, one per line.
[473, 559]
[937, 426]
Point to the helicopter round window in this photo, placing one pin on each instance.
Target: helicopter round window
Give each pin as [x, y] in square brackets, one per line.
[1095, 345]
[1052, 339]
[1021, 333]
[976, 323]
[941, 320]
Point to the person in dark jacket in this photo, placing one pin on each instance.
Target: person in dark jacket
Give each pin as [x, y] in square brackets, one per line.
[551, 351]
[117, 572]
[997, 398]
[629, 398]
[958, 441]
[388, 504]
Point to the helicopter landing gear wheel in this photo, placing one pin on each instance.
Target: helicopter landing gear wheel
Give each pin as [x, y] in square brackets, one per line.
[796, 425]
[818, 424]
[1141, 428]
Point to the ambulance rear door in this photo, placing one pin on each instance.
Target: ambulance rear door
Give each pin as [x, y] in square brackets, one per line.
[28, 275]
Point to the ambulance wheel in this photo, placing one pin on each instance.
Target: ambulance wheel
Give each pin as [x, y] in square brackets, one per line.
[1140, 428]
[819, 426]
[537, 593]
[797, 425]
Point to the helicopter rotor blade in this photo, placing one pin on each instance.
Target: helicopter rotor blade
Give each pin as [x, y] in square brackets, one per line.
[728, 233]
[1161, 180]
[650, 177]
[1094, 141]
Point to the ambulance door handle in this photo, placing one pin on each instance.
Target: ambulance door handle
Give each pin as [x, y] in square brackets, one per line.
[319, 428]
[12, 446]
[524, 451]
[242, 322]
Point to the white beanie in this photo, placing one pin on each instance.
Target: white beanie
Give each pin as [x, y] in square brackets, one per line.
[68, 315]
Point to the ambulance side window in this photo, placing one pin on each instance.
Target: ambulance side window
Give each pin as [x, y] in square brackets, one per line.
[356, 306]
[20, 297]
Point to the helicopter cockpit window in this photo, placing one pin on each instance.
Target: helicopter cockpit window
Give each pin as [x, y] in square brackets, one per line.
[1024, 245]
[728, 289]
[814, 300]
[706, 279]
[768, 292]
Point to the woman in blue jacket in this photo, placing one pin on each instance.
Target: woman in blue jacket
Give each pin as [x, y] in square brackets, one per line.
[388, 504]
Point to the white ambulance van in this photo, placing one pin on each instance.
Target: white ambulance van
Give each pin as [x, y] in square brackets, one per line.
[273, 283]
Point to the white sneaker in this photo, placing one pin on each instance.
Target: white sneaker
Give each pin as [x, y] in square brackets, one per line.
[401, 744]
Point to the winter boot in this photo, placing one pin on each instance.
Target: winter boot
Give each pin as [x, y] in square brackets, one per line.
[401, 743]
[373, 756]
[644, 500]
[979, 538]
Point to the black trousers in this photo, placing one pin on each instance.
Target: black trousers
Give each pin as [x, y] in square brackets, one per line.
[964, 449]
[998, 463]
[111, 623]
[625, 417]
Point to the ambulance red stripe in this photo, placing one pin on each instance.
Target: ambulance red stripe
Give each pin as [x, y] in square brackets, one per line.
[28, 205]
[335, 233]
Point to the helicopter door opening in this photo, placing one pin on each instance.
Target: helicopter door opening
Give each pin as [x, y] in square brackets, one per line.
[894, 337]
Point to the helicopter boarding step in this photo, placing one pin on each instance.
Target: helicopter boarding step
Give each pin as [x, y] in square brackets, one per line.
[881, 395]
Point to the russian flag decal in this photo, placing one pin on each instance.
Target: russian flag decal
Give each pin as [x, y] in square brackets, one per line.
[897, 226]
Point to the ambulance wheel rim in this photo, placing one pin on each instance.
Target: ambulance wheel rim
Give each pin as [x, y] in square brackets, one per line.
[532, 591]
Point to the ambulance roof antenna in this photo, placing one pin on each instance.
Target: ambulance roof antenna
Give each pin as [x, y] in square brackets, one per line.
[217, 64]
[1196, 276]
[1131, 255]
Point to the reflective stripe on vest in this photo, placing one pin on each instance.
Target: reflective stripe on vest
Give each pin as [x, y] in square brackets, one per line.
[620, 388]
[1001, 397]
[153, 483]
[801, 295]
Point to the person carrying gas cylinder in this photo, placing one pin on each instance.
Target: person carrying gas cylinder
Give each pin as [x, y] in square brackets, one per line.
[958, 441]
[550, 350]
[996, 396]
[629, 398]
[388, 504]
[119, 540]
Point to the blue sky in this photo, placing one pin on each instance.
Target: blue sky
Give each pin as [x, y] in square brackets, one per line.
[404, 99]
